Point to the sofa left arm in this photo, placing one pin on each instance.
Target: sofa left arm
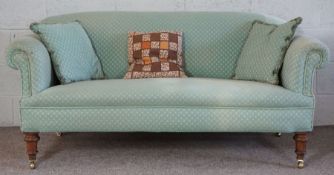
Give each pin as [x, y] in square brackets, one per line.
[30, 56]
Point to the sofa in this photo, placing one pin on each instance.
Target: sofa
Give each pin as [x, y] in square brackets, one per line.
[209, 100]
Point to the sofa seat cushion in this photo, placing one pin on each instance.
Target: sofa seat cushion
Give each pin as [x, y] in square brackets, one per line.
[171, 92]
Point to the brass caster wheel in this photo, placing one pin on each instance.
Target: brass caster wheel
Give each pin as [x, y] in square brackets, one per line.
[279, 134]
[32, 164]
[59, 134]
[300, 164]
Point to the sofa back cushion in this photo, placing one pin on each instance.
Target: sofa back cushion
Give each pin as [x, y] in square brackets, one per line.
[72, 54]
[212, 41]
[263, 53]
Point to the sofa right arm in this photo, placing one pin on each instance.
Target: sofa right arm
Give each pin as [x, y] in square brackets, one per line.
[30, 56]
[303, 57]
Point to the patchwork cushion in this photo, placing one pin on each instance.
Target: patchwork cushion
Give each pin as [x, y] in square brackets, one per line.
[155, 55]
[263, 53]
[71, 51]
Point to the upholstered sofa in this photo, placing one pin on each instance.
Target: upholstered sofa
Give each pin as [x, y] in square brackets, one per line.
[208, 101]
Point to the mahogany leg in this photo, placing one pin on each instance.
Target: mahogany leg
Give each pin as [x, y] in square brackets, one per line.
[31, 140]
[300, 140]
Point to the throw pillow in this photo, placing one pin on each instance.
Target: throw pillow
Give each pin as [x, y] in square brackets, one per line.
[155, 55]
[72, 54]
[263, 53]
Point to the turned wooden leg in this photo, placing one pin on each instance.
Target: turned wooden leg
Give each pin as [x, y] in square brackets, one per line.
[31, 140]
[300, 140]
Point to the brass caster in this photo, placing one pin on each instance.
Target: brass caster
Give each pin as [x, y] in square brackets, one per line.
[300, 164]
[59, 134]
[32, 164]
[279, 134]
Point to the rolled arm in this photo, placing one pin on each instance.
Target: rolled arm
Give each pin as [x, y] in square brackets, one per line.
[303, 57]
[31, 57]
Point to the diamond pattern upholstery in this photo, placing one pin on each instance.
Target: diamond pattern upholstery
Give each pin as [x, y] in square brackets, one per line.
[262, 55]
[201, 92]
[30, 56]
[71, 51]
[176, 105]
[167, 119]
[303, 56]
[212, 40]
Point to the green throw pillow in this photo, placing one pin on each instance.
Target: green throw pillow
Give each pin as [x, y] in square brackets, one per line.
[262, 55]
[72, 54]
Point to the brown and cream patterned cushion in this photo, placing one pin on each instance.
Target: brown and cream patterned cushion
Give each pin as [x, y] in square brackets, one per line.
[155, 55]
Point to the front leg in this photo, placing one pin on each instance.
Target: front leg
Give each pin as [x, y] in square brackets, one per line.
[300, 140]
[31, 139]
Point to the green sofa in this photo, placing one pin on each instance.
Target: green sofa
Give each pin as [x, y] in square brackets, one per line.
[208, 101]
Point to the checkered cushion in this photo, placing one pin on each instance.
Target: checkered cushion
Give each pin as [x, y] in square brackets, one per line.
[155, 55]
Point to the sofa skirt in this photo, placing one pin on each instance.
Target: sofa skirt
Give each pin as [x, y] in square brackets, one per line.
[166, 119]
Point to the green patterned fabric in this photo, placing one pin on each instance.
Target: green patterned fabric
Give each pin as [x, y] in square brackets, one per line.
[213, 43]
[302, 58]
[166, 119]
[32, 59]
[193, 92]
[72, 53]
[262, 55]
[168, 105]
[212, 40]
